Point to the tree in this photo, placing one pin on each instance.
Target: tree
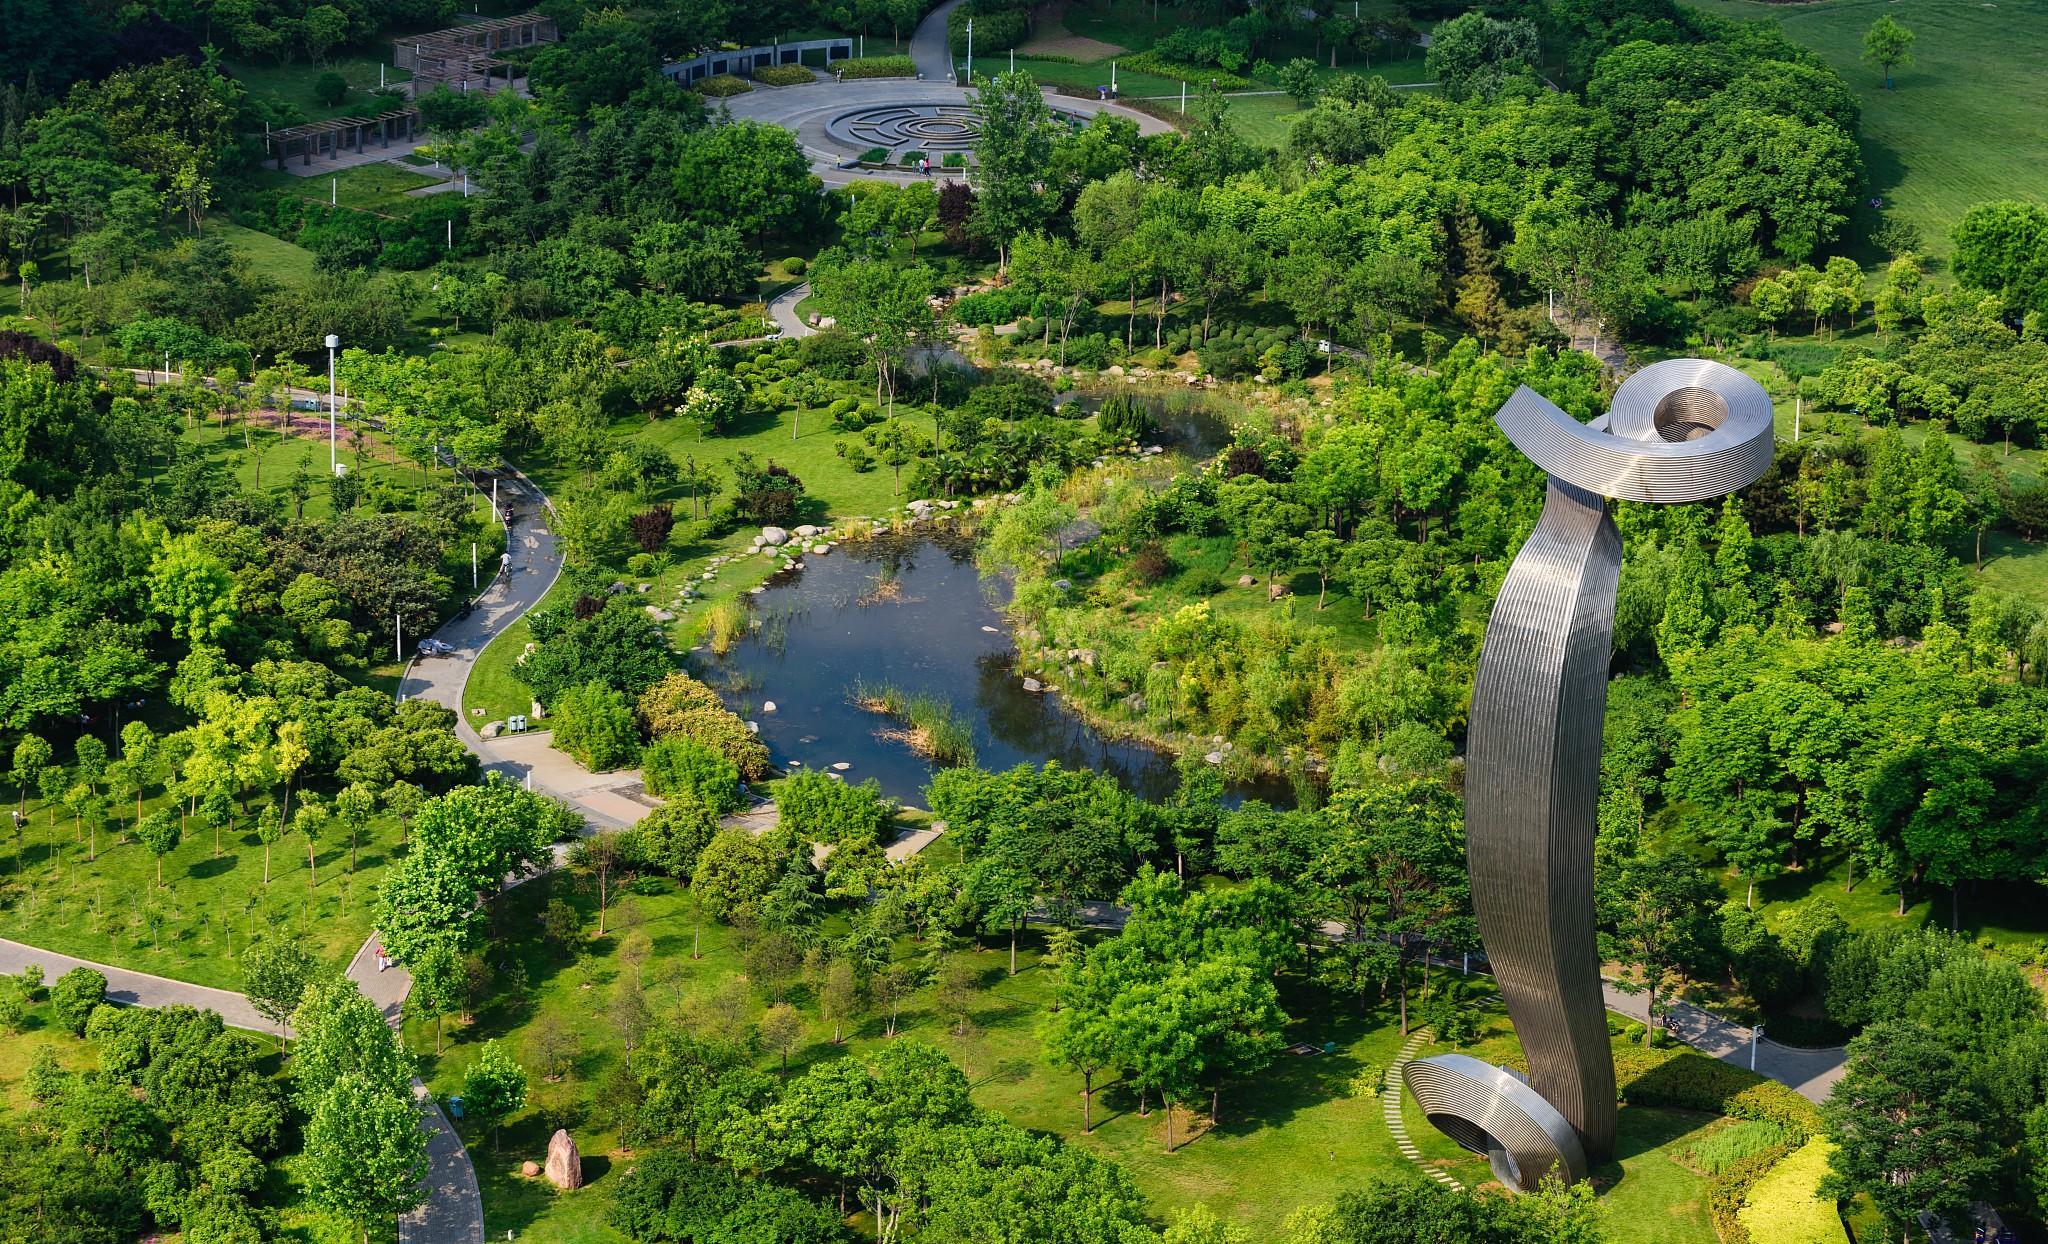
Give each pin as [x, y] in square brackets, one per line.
[464, 845]
[159, 833]
[341, 1034]
[1011, 155]
[32, 755]
[1473, 56]
[437, 984]
[1662, 910]
[75, 996]
[1910, 1127]
[1888, 46]
[839, 996]
[275, 974]
[493, 1089]
[2002, 247]
[365, 1153]
[781, 1028]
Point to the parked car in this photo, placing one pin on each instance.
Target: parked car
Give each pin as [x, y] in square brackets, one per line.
[435, 648]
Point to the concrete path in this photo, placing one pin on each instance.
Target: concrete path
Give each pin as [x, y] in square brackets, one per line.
[928, 45]
[126, 988]
[454, 1209]
[536, 562]
[1810, 1073]
[782, 311]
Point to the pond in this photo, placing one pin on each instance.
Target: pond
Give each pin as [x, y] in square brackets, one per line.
[911, 612]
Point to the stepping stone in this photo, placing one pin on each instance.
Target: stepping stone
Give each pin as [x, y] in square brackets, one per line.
[841, 765]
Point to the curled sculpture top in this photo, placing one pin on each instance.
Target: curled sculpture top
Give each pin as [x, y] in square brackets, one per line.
[1679, 430]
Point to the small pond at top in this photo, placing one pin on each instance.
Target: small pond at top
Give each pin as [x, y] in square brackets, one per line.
[914, 613]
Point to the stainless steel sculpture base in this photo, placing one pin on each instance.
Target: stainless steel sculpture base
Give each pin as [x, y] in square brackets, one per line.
[1680, 430]
[1488, 1110]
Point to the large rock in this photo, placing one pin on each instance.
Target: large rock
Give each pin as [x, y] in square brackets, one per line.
[807, 531]
[774, 535]
[565, 1165]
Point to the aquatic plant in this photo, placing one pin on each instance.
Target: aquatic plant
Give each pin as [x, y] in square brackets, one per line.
[928, 724]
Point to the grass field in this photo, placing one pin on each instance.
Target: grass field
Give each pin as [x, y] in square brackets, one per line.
[210, 907]
[365, 187]
[1964, 124]
[292, 85]
[268, 256]
[1306, 1130]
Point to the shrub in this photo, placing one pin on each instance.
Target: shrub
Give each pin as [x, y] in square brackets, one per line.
[721, 85]
[1151, 563]
[735, 870]
[672, 838]
[823, 809]
[1727, 1191]
[675, 764]
[329, 89]
[595, 724]
[667, 1196]
[876, 67]
[1124, 418]
[680, 705]
[875, 155]
[1688, 1081]
[1786, 1206]
[75, 996]
[954, 159]
[1724, 1146]
[784, 75]
[795, 265]
[1193, 75]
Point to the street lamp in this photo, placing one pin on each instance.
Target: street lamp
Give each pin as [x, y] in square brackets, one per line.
[333, 462]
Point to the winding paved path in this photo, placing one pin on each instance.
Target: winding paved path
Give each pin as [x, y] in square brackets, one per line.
[126, 988]
[928, 45]
[782, 310]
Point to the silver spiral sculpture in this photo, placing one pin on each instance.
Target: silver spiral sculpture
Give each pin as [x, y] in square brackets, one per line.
[1680, 430]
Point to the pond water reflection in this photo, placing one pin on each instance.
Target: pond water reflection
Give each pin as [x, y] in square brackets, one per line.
[911, 612]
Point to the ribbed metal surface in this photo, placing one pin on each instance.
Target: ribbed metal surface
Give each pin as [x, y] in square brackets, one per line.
[1531, 792]
[1684, 430]
[1630, 459]
[1489, 1111]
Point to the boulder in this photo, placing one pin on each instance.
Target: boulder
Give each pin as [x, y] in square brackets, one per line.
[841, 766]
[774, 535]
[1245, 580]
[1033, 685]
[1274, 591]
[1214, 758]
[565, 1165]
[529, 1169]
[767, 706]
[807, 531]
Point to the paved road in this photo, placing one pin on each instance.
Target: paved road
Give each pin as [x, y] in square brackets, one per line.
[782, 310]
[928, 50]
[535, 564]
[126, 988]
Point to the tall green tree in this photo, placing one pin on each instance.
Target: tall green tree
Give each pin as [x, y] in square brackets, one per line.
[365, 1154]
[1888, 45]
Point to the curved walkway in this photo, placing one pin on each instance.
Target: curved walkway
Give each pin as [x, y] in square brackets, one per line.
[127, 988]
[929, 51]
[782, 311]
[1391, 1104]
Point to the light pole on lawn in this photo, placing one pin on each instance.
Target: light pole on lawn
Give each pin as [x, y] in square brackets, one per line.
[333, 461]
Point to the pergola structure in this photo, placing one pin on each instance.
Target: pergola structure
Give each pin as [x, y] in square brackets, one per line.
[460, 54]
[331, 138]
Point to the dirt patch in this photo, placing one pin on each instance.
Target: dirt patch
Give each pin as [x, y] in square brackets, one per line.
[1050, 37]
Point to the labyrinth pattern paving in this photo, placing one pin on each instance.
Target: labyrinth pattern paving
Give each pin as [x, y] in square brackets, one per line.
[927, 127]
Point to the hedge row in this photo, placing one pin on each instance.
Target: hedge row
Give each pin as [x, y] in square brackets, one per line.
[1727, 1191]
[1688, 1081]
[784, 75]
[1193, 75]
[720, 86]
[876, 67]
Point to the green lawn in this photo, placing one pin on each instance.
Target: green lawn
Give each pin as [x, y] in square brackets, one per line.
[211, 906]
[1964, 124]
[292, 85]
[1306, 1130]
[365, 187]
[268, 256]
[17, 1050]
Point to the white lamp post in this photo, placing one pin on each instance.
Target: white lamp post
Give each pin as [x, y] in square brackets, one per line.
[333, 461]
